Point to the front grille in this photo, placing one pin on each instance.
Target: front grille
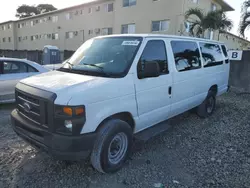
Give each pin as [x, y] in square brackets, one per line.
[32, 108]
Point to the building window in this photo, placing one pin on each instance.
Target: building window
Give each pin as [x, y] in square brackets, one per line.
[55, 36]
[32, 23]
[186, 55]
[90, 32]
[41, 21]
[97, 31]
[90, 10]
[128, 3]
[82, 11]
[19, 39]
[54, 18]
[69, 16]
[195, 1]
[9, 26]
[3, 27]
[31, 38]
[160, 25]
[107, 31]
[19, 25]
[4, 39]
[9, 39]
[69, 35]
[213, 7]
[97, 8]
[109, 7]
[128, 29]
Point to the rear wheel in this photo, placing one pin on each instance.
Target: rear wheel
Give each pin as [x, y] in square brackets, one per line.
[208, 106]
[112, 147]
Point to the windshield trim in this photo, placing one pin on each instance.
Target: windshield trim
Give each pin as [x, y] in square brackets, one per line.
[103, 74]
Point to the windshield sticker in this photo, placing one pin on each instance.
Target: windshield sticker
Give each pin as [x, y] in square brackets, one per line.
[130, 43]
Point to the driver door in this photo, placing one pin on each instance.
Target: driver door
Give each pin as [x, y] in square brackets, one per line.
[153, 94]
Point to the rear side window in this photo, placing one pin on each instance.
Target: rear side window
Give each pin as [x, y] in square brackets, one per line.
[186, 55]
[11, 67]
[31, 69]
[155, 50]
[211, 54]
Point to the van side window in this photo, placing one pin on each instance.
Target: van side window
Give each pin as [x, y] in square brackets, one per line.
[211, 54]
[154, 50]
[224, 51]
[186, 55]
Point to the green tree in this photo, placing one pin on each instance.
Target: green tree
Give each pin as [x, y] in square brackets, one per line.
[25, 11]
[42, 8]
[213, 20]
[245, 18]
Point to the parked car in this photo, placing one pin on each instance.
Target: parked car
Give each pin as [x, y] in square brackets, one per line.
[11, 72]
[115, 88]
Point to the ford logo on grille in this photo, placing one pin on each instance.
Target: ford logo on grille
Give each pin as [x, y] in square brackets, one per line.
[26, 107]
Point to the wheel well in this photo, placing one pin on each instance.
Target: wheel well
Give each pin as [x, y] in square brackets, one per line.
[214, 89]
[124, 116]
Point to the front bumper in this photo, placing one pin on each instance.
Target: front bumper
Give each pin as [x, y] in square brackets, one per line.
[60, 146]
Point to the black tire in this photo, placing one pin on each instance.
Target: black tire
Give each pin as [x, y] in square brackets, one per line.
[203, 110]
[100, 154]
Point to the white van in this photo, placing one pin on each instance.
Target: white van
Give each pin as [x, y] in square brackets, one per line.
[117, 87]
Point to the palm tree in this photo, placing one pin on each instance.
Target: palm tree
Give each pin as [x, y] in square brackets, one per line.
[245, 18]
[213, 20]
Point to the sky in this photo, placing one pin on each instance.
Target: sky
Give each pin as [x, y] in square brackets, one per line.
[8, 10]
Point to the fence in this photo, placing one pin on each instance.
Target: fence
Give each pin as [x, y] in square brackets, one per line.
[34, 55]
[240, 72]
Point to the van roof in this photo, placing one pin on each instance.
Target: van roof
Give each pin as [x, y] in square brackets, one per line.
[161, 36]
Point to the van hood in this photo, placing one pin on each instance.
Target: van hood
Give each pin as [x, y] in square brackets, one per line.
[81, 89]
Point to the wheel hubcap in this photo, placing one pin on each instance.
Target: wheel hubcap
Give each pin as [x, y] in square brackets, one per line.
[210, 105]
[117, 148]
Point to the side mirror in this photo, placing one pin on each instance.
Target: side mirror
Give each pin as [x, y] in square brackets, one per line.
[148, 69]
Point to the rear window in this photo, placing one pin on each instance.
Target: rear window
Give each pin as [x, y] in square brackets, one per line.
[211, 54]
[224, 50]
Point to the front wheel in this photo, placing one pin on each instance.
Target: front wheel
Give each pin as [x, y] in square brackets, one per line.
[208, 106]
[112, 147]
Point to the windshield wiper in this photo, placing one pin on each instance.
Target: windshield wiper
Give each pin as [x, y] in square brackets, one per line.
[101, 68]
[70, 64]
[93, 65]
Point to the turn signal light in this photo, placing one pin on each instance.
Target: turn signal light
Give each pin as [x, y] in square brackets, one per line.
[68, 111]
[79, 111]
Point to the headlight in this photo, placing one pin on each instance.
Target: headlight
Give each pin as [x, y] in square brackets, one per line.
[68, 124]
[69, 120]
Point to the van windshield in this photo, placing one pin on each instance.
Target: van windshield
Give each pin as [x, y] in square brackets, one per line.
[107, 57]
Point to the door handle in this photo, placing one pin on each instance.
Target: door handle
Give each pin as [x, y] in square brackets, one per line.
[170, 90]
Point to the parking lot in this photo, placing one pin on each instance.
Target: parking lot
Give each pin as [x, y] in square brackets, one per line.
[194, 152]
